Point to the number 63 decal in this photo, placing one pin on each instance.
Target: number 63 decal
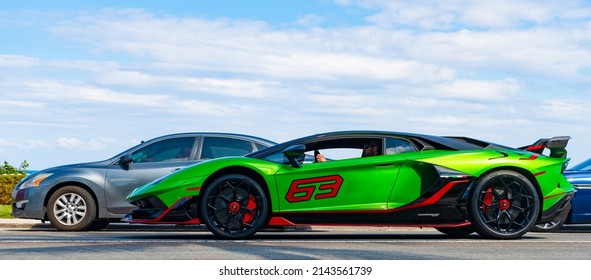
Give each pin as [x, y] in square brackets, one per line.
[303, 189]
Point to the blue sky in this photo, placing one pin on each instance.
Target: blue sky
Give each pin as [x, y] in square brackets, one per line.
[84, 80]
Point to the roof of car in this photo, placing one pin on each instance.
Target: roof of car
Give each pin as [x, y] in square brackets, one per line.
[225, 134]
[445, 141]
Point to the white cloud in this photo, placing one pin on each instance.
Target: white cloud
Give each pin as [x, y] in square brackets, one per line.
[226, 87]
[11, 143]
[442, 15]
[487, 91]
[310, 20]
[4, 104]
[247, 48]
[567, 109]
[72, 143]
[69, 143]
[53, 91]
[17, 61]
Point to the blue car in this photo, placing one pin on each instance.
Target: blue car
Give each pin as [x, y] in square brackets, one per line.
[580, 212]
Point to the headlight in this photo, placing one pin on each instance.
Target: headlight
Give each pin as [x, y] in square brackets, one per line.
[35, 181]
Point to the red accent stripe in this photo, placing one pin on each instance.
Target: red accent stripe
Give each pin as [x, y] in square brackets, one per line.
[539, 173]
[532, 157]
[280, 221]
[146, 221]
[194, 188]
[286, 222]
[433, 199]
[536, 147]
[158, 219]
[554, 195]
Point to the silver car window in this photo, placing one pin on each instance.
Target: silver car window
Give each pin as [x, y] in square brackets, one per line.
[178, 149]
[215, 147]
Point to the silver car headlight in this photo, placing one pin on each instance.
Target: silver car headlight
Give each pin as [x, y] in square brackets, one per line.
[35, 180]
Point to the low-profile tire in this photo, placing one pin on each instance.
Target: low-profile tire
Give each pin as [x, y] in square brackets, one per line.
[503, 204]
[98, 225]
[234, 207]
[456, 231]
[71, 208]
[556, 223]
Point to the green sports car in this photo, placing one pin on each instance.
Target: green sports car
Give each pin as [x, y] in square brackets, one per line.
[457, 185]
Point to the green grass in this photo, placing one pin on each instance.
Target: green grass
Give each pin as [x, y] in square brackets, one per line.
[5, 211]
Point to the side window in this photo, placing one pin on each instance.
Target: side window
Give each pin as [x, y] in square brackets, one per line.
[178, 149]
[280, 158]
[215, 147]
[335, 149]
[398, 146]
[260, 146]
[337, 153]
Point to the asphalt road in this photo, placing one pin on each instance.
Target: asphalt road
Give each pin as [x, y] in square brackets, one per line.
[124, 242]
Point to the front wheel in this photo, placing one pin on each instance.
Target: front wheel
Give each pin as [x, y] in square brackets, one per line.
[234, 207]
[503, 205]
[71, 208]
[98, 225]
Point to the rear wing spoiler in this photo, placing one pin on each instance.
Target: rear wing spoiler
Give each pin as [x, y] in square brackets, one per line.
[556, 145]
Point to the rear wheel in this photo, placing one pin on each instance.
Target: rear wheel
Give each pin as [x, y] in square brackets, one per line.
[503, 204]
[71, 208]
[234, 207]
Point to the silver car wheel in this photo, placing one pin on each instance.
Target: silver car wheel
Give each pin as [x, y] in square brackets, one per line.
[69, 209]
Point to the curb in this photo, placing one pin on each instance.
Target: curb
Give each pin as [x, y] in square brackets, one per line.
[22, 223]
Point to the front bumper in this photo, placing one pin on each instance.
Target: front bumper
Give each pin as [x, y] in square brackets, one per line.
[28, 203]
[153, 211]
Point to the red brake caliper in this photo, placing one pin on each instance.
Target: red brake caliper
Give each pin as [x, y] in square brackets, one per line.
[250, 205]
[487, 199]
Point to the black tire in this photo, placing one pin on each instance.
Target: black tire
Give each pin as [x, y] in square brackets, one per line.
[98, 225]
[456, 231]
[234, 207]
[71, 208]
[556, 223]
[503, 205]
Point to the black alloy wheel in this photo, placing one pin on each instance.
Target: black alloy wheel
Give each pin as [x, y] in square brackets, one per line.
[234, 207]
[504, 204]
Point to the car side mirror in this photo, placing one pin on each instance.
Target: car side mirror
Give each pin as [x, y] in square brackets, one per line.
[126, 160]
[294, 154]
